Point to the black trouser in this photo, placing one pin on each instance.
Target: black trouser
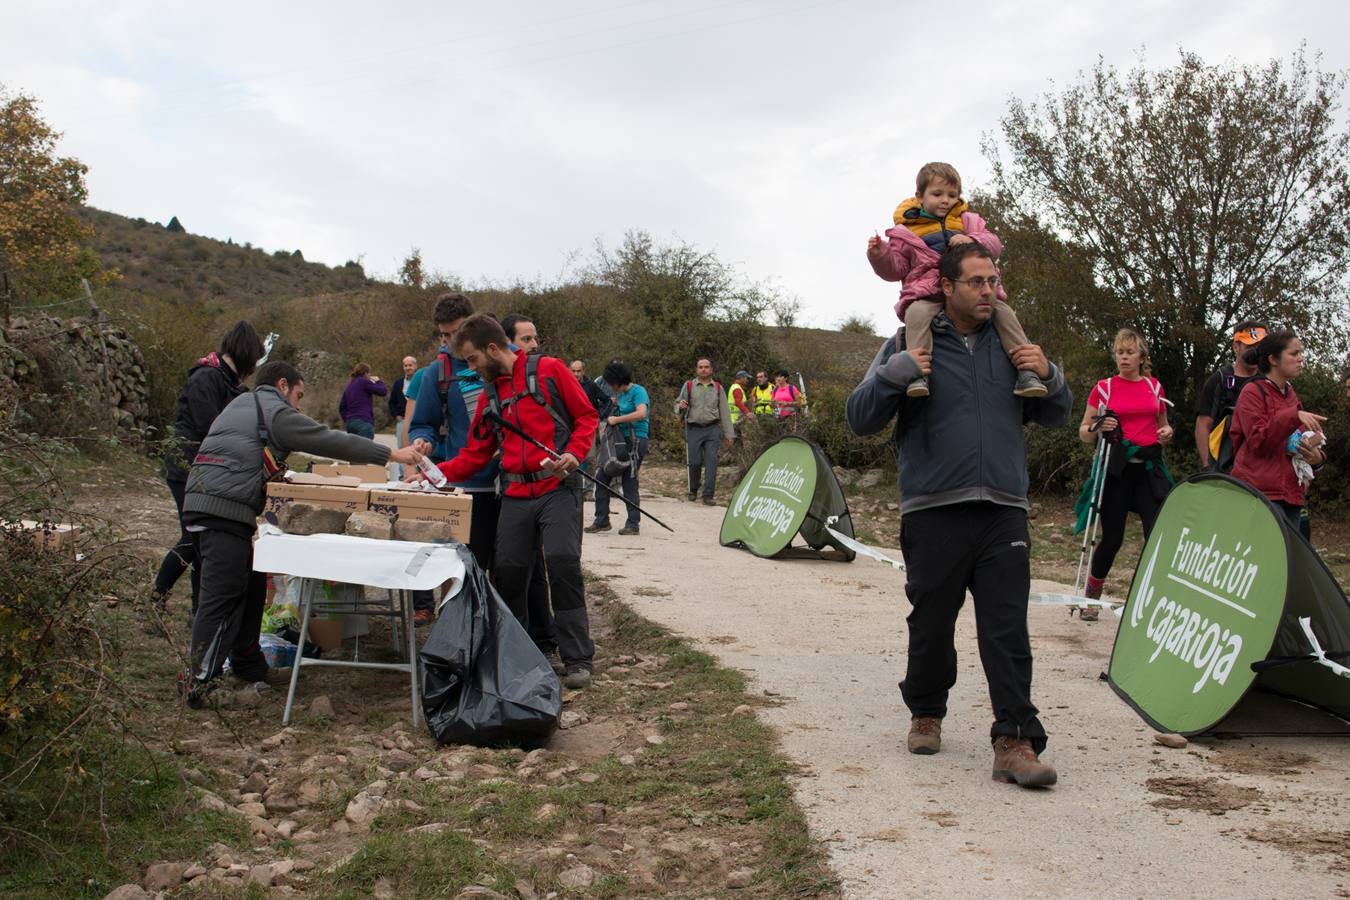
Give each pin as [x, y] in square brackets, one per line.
[983, 548]
[703, 441]
[182, 555]
[550, 525]
[230, 608]
[1130, 491]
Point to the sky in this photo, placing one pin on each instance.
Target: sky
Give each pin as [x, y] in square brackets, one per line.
[505, 140]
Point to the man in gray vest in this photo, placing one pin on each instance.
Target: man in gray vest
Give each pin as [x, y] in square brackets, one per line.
[702, 406]
[248, 442]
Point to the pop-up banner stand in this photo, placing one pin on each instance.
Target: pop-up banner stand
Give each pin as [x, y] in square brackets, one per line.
[1228, 596]
[790, 489]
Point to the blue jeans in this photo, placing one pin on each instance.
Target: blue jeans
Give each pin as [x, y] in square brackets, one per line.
[362, 427]
[630, 489]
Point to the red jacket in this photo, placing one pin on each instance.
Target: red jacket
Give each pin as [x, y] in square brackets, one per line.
[518, 456]
[1262, 422]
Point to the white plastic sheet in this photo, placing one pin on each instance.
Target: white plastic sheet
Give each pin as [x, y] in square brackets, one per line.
[397, 565]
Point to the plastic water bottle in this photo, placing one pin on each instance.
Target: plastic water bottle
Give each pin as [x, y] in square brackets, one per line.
[434, 476]
[1291, 445]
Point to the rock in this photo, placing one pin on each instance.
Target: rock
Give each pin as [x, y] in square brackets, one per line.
[1175, 741]
[322, 705]
[311, 789]
[399, 760]
[627, 759]
[127, 892]
[486, 770]
[535, 757]
[286, 827]
[422, 532]
[740, 878]
[261, 826]
[844, 476]
[655, 740]
[596, 812]
[681, 706]
[370, 524]
[305, 518]
[307, 836]
[363, 808]
[254, 784]
[162, 876]
[433, 828]
[426, 773]
[195, 776]
[577, 878]
[545, 812]
[869, 479]
[588, 778]
[252, 809]
[383, 889]
[283, 736]
[477, 890]
[278, 803]
[261, 875]
[571, 718]
[208, 800]
[193, 871]
[282, 867]
[302, 865]
[191, 745]
[743, 710]
[377, 788]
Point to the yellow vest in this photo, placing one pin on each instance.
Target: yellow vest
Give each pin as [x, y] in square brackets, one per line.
[763, 399]
[923, 225]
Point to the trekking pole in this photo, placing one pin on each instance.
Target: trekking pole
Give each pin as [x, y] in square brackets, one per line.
[1095, 495]
[1090, 525]
[556, 456]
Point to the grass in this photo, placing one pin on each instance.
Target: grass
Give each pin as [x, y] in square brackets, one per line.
[716, 775]
[131, 810]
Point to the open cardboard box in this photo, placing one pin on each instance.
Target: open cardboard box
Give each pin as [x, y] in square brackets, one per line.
[49, 535]
[426, 506]
[342, 493]
[363, 474]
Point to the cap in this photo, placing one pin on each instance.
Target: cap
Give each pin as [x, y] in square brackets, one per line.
[1250, 336]
[742, 374]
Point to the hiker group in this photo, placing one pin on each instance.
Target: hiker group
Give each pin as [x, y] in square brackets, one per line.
[959, 380]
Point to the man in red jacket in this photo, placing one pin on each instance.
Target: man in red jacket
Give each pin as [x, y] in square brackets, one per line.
[541, 502]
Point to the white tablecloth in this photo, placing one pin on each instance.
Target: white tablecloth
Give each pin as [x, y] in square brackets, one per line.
[398, 565]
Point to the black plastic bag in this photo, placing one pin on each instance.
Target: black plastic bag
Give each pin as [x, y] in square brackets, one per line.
[484, 681]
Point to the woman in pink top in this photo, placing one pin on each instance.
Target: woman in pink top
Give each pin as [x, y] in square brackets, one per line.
[1136, 429]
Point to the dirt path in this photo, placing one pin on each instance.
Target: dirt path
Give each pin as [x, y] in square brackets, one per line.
[1250, 817]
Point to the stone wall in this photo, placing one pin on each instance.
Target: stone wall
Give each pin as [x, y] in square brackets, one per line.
[72, 378]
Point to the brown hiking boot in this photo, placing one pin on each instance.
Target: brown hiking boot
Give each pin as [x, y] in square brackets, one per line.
[925, 735]
[1016, 763]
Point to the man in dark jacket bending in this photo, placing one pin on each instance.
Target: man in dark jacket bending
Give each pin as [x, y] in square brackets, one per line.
[963, 486]
[225, 495]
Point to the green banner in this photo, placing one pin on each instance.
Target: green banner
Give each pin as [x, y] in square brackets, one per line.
[789, 489]
[1206, 603]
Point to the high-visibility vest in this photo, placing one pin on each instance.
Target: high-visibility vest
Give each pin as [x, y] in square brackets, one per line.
[763, 397]
[733, 404]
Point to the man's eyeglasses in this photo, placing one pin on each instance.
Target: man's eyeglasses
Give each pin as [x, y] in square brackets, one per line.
[979, 284]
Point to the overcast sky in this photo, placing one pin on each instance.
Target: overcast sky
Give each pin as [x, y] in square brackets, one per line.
[504, 139]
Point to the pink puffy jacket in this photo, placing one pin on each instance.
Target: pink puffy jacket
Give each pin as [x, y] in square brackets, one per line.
[907, 259]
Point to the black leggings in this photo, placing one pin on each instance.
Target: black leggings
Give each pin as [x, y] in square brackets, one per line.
[182, 555]
[1131, 492]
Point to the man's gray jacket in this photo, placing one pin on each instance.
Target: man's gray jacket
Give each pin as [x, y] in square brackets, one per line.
[227, 480]
[964, 442]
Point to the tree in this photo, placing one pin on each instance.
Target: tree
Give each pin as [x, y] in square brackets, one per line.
[41, 240]
[411, 272]
[1201, 195]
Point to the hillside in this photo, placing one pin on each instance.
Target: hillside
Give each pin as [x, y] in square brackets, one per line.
[175, 265]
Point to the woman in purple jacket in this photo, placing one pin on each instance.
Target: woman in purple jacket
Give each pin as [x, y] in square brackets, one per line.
[356, 407]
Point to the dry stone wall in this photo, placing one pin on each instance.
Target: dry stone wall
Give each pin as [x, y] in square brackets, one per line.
[72, 377]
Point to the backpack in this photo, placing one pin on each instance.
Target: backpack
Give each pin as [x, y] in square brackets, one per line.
[1222, 453]
[551, 401]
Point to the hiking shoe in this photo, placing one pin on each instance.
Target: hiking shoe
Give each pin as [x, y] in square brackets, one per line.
[266, 675]
[577, 677]
[708, 501]
[917, 388]
[1029, 385]
[1016, 763]
[555, 662]
[693, 495]
[596, 526]
[925, 735]
[628, 530]
[1088, 613]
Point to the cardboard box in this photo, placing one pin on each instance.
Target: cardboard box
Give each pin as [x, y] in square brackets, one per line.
[346, 498]
[427, 506]
[50, 535]
[363, 474]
